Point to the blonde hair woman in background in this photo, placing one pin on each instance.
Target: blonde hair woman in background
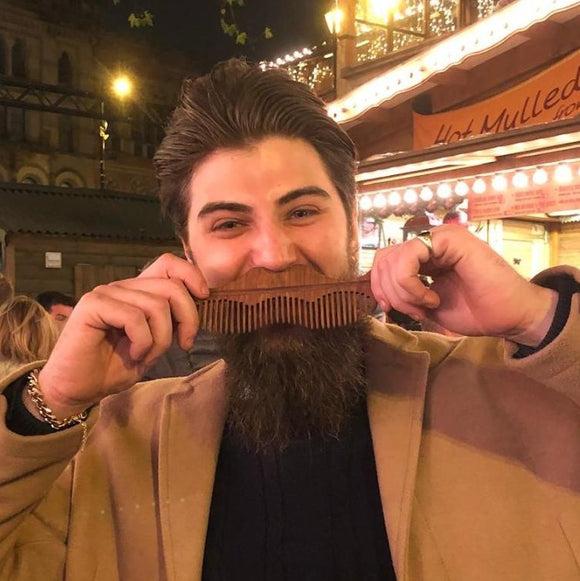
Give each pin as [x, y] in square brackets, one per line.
[27, 333]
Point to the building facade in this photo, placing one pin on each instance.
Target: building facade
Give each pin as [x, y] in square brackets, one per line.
[64, 133]
[57, 66]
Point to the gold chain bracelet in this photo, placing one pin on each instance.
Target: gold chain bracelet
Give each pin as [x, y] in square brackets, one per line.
[47, 414]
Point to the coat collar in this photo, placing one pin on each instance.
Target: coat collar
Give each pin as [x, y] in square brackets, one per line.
[396, 394]
[192, 423]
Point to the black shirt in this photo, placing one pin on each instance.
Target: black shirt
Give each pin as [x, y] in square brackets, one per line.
[310, 513]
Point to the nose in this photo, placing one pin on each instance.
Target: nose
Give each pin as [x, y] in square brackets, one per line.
[274, 249]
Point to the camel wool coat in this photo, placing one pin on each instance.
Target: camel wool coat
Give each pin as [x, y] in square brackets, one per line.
[477, 455]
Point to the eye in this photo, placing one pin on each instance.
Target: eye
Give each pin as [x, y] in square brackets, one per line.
[226, 225]
[302, 213]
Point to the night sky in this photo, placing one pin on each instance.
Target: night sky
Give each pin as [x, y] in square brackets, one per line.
[193, 27]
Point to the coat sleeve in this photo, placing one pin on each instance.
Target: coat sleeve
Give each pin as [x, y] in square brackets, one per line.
[35, 490]
[557, 365]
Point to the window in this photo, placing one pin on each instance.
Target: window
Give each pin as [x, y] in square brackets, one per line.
[69, 179]
[19, 59]
[3, 63]
[145, 135]
[29, 179]
[3, 122]
[65, 134]
[15, 126]
[151, 138]
[65, 71]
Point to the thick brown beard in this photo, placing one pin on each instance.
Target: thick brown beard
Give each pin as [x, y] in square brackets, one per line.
[287, 383]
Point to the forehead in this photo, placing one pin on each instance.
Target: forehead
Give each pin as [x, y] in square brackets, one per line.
[259, 173]
[61, 310]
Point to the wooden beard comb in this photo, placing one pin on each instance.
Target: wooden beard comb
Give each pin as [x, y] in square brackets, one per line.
[297, 296]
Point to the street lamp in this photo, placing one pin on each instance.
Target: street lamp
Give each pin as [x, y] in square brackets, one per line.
[121, 87]
[334, 19]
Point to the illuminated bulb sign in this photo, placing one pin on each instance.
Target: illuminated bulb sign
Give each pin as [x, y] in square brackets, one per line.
[549, 188]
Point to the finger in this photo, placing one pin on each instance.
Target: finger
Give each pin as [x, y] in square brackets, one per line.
[103, 313]
[379, 280]
[396, 282]
[387, 293]
[412, 255]
[400, 300]
[173, 267]
[149, 327]
[183, 311]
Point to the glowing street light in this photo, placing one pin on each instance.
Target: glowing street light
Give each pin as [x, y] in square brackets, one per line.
[379, 10]
[121, 87]
[334, 20]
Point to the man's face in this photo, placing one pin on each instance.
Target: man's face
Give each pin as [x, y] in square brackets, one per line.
[271, 205]
[60, 313]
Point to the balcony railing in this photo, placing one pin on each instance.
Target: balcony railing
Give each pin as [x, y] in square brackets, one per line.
[415, 22]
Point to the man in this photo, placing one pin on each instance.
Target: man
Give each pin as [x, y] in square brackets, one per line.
[360, 452]
[58, 305]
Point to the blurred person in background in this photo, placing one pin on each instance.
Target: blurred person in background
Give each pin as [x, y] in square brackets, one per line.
[27, 333]
[6, 290]
[58, 305]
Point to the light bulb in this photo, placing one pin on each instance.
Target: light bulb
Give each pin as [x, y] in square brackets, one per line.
[410, 196]
[499, 182]
[563, 173]
[365, 203]
[426, 194]
[520, 179]
[461, 189]
[379, 201]
[479, 186]
[394, 199]
[540, 176]
[443, 191]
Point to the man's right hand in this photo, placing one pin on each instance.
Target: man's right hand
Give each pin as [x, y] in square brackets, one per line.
[117, 330]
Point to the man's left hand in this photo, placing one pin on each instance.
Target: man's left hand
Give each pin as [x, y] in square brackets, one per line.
[474, 291]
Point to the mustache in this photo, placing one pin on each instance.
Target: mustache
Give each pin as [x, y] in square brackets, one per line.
[298, 296]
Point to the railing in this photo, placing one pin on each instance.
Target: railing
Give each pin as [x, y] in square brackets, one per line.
[416, 22]
[316, 71]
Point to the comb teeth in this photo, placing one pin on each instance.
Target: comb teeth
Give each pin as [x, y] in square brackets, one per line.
[305, 298]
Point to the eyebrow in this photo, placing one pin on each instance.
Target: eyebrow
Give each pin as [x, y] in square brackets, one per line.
[245, 209]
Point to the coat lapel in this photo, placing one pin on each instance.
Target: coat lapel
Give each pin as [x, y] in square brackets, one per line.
[190, 434]
[191, 427]
[396, 384]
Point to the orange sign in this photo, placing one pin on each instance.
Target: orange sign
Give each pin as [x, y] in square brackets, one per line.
[531, 200]
[549, 96]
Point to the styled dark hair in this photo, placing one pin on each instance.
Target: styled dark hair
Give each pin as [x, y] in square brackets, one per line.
[50, 298]
[234, 106]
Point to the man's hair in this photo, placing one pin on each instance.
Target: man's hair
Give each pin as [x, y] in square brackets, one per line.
[234, 106]
[49, 299]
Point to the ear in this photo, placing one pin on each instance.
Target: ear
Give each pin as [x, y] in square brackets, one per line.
[354, 234]
[187, 250]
